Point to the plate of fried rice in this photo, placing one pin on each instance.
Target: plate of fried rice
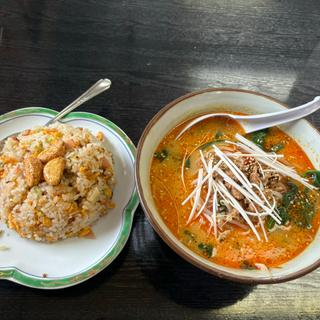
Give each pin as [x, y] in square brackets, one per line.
[67, 196]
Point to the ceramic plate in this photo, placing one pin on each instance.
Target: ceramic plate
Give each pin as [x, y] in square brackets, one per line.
[69, 262]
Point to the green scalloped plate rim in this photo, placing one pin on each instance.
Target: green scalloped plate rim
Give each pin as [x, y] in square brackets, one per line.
[15, 275]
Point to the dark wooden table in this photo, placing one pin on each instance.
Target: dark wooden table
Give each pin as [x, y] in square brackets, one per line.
[155, 51]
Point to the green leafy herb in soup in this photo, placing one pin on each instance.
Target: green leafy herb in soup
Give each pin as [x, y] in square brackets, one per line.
[242, 201]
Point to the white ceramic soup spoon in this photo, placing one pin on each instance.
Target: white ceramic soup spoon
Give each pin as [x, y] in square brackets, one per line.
[257, 122]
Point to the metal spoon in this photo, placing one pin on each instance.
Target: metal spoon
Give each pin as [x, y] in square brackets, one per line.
[97, 88]
[262, 121]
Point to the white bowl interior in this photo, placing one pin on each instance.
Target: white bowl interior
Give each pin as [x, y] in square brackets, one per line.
[71, 256]
[306, 135]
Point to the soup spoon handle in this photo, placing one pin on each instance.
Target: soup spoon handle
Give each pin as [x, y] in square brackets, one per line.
[263, 121]
[257, 122]
[96, 89]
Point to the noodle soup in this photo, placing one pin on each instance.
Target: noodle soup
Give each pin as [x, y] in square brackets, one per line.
[242, 201]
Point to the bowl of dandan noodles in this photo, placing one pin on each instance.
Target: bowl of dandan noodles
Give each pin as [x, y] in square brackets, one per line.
[240, 206]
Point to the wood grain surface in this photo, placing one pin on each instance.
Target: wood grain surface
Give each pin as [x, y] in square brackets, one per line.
[155, 51]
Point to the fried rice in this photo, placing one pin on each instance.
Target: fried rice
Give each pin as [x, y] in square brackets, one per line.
[51, 212]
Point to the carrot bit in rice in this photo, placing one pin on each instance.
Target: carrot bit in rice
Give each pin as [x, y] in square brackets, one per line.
[100, 136]
[86, 233]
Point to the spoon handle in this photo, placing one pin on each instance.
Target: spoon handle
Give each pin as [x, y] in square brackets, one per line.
[96, 89]
[262, 121]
